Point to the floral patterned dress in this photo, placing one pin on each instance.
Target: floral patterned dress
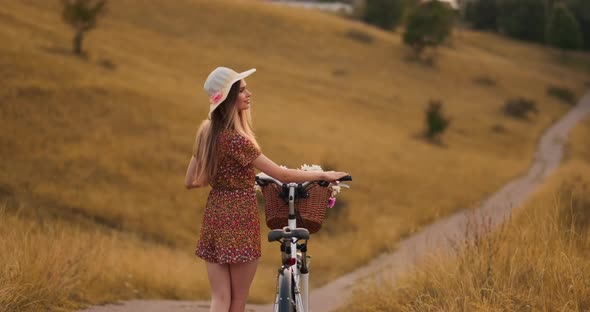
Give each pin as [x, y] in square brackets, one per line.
[231, 226]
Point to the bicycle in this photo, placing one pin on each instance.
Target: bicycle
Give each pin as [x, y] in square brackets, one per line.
[293, 275]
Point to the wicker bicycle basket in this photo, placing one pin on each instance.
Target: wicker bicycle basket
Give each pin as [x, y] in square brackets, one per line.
[310, 211]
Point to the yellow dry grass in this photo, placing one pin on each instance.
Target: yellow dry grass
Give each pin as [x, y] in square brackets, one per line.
[51, 265]
[98, 147]
[536, 262]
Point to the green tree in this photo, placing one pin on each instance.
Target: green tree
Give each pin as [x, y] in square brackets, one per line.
[523, 19]
[482, 14]
[385, 14]
[82, 15]
[564, 30]
[428, 25]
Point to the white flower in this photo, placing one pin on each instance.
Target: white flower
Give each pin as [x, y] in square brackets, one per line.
[335, 189]
[306, 167]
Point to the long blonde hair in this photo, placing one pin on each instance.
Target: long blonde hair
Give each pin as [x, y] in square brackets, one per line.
[226, 116]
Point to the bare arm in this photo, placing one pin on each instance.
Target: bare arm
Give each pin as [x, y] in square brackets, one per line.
[284, 175]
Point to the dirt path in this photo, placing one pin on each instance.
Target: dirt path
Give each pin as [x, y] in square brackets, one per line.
[413, 249]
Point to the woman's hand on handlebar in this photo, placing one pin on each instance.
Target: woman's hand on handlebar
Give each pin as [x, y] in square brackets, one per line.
[332, 176]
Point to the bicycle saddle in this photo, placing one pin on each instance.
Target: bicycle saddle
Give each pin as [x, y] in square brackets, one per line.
[278, 234]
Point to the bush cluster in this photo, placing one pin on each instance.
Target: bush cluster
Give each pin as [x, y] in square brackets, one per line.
[564, 94]
[520, 107]
[436, 122]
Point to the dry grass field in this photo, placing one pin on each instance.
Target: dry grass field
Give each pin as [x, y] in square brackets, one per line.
[538, 261]
[93, 150]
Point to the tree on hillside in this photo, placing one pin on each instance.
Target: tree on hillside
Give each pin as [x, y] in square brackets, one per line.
[482, 14]
[385, 14]
[428, 25]
[564, 30]
[523, 19]
[82, 15]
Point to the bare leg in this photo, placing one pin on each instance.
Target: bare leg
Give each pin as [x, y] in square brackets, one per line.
[220, 281]
[241, 275]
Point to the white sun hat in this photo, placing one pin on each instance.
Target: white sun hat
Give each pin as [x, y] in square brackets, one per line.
[219, 83]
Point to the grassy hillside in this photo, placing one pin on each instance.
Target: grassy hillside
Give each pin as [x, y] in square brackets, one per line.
[93, 151]
[536, 262]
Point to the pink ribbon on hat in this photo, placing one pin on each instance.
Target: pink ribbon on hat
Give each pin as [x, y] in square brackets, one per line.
[215, 98]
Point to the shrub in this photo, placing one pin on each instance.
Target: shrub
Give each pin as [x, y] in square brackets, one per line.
[436, 122]
[428, 25]
[564, 94]
[520, 108]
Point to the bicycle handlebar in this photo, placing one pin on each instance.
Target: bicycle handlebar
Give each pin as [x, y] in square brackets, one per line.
[262, 179]
[344, 178]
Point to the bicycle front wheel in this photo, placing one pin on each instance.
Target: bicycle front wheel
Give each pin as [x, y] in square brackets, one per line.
[285, 300]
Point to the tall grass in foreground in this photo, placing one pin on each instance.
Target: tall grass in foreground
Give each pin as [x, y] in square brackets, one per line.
[55, 266]
[537, 262]
[42, 266]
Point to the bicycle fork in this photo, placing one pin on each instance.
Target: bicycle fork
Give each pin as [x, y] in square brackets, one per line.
[300, 268]
[304, 278]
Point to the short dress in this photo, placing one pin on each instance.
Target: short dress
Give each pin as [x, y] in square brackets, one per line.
[230, 232]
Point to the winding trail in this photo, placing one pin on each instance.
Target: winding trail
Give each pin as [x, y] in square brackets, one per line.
[436, 236]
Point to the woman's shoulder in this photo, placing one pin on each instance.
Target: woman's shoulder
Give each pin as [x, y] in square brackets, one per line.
[239, 147]
[230, 136]
[234, 138]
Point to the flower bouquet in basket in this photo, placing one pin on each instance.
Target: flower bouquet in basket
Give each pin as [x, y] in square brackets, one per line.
[310, 205]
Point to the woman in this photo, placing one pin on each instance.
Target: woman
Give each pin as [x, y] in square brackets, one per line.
[225, 155]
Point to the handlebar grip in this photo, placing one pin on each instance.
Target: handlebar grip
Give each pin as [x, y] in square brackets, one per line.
[346, 178]
[261, 182]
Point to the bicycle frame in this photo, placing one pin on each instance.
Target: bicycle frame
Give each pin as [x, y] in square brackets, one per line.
[301, 279]
[296, 273]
